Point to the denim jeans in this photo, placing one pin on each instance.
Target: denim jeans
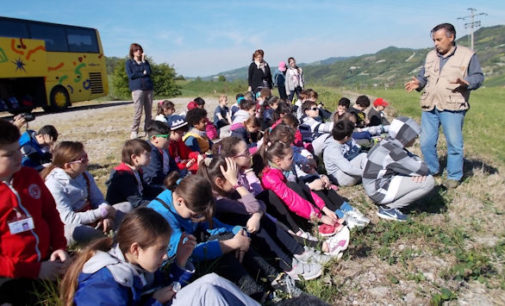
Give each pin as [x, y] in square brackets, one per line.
[452, 126]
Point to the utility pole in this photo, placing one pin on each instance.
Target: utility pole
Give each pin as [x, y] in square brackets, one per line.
[473, 24]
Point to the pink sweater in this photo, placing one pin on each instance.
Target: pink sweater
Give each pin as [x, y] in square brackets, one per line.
[274, 180]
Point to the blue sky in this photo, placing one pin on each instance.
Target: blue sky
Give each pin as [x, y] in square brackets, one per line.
[200, 38]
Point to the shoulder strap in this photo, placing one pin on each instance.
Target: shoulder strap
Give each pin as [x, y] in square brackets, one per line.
[163, 203]
[88, 185]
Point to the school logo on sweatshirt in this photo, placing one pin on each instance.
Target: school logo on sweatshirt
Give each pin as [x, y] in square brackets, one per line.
[34, 191]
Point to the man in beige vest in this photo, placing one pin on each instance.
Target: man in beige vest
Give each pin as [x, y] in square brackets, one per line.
[449, 73]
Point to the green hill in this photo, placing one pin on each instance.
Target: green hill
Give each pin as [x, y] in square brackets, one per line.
[392, 66]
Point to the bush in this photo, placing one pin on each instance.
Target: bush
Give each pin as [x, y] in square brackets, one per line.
[163, 77]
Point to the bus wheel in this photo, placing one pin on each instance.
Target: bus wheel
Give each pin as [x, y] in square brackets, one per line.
[60, 99]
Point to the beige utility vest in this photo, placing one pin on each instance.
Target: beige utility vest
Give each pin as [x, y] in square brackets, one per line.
[439, 92]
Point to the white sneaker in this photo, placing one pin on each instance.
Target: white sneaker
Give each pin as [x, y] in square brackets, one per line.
[304, 270]
[359, 215]
[338, 243]
[353, 220]
[311, 255]
[133, 135]
[305, 235]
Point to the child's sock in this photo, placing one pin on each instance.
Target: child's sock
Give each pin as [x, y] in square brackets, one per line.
[339, 213]
[345, 207]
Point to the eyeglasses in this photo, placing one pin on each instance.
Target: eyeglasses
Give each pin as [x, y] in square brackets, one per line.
[137, 49]
[162, 135]
[313, 108]
[84, 159]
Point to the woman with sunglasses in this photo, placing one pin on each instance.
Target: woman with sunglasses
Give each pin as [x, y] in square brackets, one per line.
[141, 85]
[81, 204]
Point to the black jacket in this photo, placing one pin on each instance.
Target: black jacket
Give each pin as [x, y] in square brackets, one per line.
[257, 78]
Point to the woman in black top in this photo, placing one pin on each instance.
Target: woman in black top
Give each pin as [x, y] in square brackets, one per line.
[259, 73]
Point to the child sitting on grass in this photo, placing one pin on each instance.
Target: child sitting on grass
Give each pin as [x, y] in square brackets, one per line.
[161, 163]
[128, 271]
[196, 139]
[311, 125]
[81, 205]
[125, 183]
[222, 114]
[362, 103]
[376, 114]
[36, 146]
[32, 241]
[394, 177]
[185, 159]
[165, 110]
[342, 170]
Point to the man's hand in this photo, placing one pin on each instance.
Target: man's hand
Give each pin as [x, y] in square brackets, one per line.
[412, 84]
[461, 82]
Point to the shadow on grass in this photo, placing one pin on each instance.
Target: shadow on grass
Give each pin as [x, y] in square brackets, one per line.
[469, 165]
[433, 203]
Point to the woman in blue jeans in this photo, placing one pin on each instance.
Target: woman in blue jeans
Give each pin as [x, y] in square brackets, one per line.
[141, 85]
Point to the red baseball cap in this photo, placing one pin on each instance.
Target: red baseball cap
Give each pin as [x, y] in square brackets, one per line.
[380, 102]
[192, 105]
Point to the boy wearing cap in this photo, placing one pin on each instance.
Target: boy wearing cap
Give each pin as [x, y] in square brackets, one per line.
[376, 114]
[185, 159]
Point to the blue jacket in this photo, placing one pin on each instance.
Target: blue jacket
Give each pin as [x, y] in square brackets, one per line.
[33, 156]
[122, 186]
[207, 250]
[153, 173]
[108, 279]
[136, 77]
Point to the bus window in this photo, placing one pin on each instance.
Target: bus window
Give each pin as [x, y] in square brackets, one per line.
[53, 35]
[82, 40]
[9, 28]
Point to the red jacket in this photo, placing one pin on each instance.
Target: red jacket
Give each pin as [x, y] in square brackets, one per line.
[274, 180]
[22, 253]
[181, 153]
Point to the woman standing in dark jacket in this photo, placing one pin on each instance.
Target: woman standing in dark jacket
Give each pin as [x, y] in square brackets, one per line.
[141, 85]
[259, 76]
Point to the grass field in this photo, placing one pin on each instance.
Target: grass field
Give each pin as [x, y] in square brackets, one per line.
[453, 248]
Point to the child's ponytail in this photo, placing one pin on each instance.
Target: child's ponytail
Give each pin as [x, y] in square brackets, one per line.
[69, 283]
[171, 180]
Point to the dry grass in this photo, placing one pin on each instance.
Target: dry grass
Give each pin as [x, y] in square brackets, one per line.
[452, 250]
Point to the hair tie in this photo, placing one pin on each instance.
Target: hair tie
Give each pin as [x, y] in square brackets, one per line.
[240, 99]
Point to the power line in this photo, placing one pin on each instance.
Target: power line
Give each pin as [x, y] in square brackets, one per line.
[473, 24]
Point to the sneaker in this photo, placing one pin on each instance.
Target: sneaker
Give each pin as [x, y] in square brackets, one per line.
[451, 184]
[311, 255]
[392, 214]
[286, 284]
[352, 222]
[305, 235]
[326, 230]
[355, 218]
[133, 135]
[338, 243]
[304, 270]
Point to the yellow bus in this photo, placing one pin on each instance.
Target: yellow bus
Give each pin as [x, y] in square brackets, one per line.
[49, 65]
